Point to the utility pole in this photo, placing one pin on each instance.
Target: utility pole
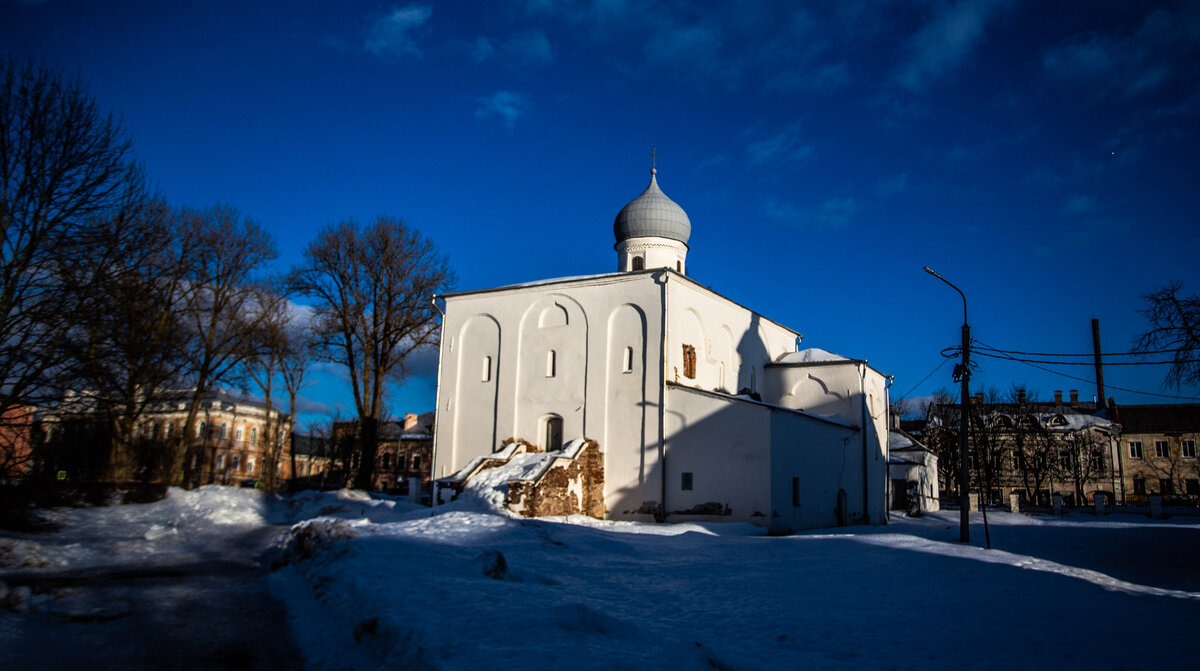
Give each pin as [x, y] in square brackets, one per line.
[1101, 403]
[964, 477]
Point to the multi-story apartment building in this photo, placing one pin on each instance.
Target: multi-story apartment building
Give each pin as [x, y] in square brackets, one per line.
[230, 442]
[1158, 452]
[405, 451]
[1031, 448]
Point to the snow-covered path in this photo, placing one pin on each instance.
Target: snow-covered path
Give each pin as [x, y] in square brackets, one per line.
[172, 585]
[379, 584]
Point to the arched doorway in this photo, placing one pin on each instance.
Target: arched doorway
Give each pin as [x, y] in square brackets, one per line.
[552, 433]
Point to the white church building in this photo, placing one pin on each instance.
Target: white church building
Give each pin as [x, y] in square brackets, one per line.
[699, 408]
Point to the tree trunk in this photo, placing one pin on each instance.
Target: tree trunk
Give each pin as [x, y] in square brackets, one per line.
[369, 442]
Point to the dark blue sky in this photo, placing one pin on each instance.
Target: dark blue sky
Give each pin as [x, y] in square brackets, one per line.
[1042, 156]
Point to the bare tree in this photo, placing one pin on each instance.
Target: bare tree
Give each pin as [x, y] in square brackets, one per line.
[1081, 459]
[372, 291]
[1174, 330]
[282, 353]
[221, 314]
[297, 356]
[941, 435]
[1033, 446]
[991, 446]
[62, 162]
[125, 341]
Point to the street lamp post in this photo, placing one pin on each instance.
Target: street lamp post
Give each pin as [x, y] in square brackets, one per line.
[964, 479]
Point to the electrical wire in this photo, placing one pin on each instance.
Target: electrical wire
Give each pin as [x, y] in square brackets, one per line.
[1102, 354]
[992, 354]
[1073, 377]
[939, 367]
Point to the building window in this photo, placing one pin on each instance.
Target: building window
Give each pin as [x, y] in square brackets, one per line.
[551, 363]
[401, 461]
[679, 266]
[254, 435]
[238, 435]
[627, 361]
[1162, 449]
[1135, 449]
[1189, 449]
[250, 465]
[200, 428]
[224, 431]
[552, 433]
[689, 362]
[686, 481]
[1192, 486]
[486, 374]
[1064, 460]
[387, 460]
[795, 491]
[237, 462]
[416, 462]
[220, 462]
[639, 263]
[1139, 486]
[1167, 485]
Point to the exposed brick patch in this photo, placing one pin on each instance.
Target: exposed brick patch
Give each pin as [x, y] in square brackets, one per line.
[568, 487]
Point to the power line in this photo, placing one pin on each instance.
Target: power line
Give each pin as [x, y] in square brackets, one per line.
[1103, 354]
[1081, 379]
[936, 369]
[991, 353]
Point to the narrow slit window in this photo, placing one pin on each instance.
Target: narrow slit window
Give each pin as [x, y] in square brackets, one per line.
[627, 362]
[550, 363]
[686, 481]
[486, 374]
[795, 491]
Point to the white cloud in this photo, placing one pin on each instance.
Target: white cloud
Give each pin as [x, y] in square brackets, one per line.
[504, 104]
[834, 213]
[525, 49]
[782, 147]
[530, 48]
[893, 185]
[941, 45]
[1079, 205]
[482, 50]
[310, 407]
[1139, 63]
[394, 33]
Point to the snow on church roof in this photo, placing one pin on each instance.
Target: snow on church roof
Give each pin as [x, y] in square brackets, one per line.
[811, 355]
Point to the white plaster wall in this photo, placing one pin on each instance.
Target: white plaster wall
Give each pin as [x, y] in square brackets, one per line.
[656, 253]
[725, 444]
[732, 343]
[924, 473]
[588, 322]
[849, 391]
[818, 453]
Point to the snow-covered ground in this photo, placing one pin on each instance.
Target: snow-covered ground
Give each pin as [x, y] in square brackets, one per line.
[370, 583]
